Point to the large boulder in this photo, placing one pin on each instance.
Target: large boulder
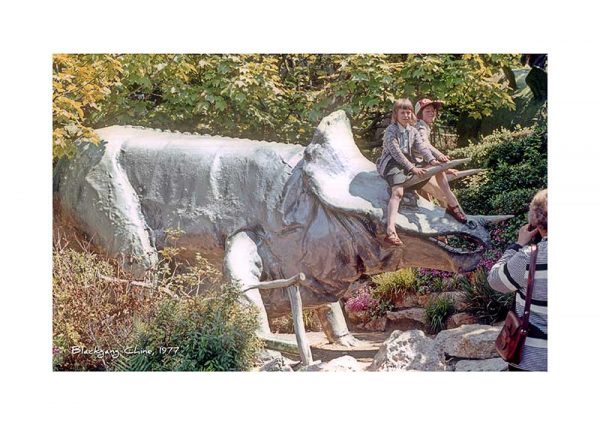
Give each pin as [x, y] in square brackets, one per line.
[469, 341]
[408, 350]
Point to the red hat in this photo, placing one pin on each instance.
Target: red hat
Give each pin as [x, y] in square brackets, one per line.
[437, 104]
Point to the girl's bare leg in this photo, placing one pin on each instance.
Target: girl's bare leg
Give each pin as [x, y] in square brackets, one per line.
[433, 189]
[442, 184]
[393, 204]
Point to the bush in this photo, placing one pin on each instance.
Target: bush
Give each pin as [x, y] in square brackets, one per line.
[517, 167]
[390, 285]
[437, 311]
[102, 320]
[90, 312]
[215, 333]
[483, 302]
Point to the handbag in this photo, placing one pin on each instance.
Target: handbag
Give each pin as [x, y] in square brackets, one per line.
[509, 343]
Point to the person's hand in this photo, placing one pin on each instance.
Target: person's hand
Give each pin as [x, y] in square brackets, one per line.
[434, 162]
[452, 171]
[418, 171]
[444, 158]
[525, 235]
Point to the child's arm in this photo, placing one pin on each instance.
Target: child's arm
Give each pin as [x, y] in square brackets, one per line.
[436, 153]
[423, 148]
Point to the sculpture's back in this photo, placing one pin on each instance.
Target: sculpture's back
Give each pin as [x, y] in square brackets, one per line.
[127, 191]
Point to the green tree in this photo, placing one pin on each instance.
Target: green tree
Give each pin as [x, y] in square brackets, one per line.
[81, 85]
[272, 97]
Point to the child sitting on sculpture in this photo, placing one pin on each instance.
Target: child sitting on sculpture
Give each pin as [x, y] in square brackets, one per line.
[398, 164]
[426, 111]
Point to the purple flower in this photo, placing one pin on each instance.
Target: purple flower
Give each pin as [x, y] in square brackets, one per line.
[434, 273]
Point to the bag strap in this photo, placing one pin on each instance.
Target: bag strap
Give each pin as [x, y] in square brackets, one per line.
[530, 282]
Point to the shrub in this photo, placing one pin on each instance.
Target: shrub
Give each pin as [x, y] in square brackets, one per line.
[215, 333]
[389, 285]
[437, 311]
[122, 324]
[91, 312]
[517, 167]
[483, 302]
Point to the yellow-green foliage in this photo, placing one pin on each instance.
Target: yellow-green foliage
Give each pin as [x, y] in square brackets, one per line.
[81, 85]
[390, 285]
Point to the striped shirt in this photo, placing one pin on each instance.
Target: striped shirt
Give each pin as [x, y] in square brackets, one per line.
[399, 143]
[510, 274]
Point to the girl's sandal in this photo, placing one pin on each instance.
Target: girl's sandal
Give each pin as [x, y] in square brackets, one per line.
[457, 213]
[392, 238]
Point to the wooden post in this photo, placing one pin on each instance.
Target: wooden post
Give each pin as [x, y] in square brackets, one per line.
[301, 338]
[293, 289]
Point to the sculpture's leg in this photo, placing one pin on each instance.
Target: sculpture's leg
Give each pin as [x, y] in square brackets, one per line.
[243, 265]
[334, 325]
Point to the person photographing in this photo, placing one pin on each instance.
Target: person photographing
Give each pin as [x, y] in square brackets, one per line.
[510, 274]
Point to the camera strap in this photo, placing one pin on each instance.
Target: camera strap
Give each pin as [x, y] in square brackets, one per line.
[530, 283]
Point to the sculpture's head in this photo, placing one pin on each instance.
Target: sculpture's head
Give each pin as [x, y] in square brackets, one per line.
[351, 201]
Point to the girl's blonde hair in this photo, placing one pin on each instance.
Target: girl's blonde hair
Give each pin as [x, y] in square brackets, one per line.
[401, 104]
[538, 210]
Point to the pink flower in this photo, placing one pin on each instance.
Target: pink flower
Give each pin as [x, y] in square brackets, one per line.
[362, 301]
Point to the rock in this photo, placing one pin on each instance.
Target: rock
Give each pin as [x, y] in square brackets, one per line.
[416, 314]
[457, 297]
[406, 301]
[409, 350]
[375, 325]
[266, 355]
[469, 341]
[316, 366]
[358, 316]
[342, 364]
[459, 319]
[274, 361]
[423, 300]
[276, 365]
[489, 365]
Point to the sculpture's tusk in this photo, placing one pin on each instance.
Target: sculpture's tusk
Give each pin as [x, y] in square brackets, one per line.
[465, 173]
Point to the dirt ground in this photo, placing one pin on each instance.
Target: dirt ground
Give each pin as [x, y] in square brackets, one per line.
[322, 350]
